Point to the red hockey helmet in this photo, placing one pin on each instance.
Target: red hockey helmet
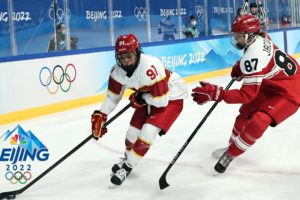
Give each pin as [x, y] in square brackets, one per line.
[127, 43]
[246, 24]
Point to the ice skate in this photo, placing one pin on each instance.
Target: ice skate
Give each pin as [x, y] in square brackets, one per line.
[222, 164]
[118, 165]
[120, 175]
[218, 153]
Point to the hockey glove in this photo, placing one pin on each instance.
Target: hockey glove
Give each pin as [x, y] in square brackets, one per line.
[136, 100]
[207, 92]
[98, 120]
[236, 72]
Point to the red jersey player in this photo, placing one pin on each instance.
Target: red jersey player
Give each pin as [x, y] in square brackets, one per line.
[270, 92]
[158, 100]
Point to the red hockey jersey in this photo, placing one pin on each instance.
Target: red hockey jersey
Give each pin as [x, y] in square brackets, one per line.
[267, 68]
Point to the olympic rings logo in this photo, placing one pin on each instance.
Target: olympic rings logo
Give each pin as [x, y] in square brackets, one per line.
[18, 176]
[59, 77]
[200, 11]
[60, 14]
[140, 13]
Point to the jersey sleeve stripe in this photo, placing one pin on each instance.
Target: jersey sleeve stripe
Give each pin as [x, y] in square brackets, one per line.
[257, 79]
[114, 86]
[252, 80]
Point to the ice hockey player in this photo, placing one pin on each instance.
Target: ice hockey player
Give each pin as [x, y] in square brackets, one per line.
[157, 99]
[270, 92]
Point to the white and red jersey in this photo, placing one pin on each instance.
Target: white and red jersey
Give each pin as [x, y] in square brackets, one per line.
[266, 67]
[159, 84]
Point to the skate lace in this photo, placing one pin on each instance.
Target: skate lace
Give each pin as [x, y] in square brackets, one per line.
[121, 174]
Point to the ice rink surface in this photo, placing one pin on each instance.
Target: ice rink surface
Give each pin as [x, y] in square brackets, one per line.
[268, 170]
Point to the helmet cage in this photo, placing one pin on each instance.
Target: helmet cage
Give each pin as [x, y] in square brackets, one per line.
[127, 44]
[249, 38]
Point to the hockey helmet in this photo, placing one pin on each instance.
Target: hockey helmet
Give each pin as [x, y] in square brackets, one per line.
[246, 24]
[245, 28]
[127, 43]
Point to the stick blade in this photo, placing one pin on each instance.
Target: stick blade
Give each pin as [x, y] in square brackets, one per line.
[163, 182]
[8, 195]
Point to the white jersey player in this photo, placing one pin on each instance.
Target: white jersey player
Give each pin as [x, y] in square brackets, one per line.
[158, 100]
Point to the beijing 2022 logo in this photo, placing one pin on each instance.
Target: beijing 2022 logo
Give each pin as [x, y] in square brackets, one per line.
[18, 150]
[58, 78]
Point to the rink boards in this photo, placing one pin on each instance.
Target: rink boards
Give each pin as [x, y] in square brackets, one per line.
[40, 84]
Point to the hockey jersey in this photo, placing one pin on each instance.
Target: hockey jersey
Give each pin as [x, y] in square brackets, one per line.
[266, 68]
[158, 84]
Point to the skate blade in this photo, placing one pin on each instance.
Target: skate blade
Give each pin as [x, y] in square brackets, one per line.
[113, 186]
[216, 174]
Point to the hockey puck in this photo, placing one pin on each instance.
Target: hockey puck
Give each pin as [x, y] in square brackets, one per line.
[12, 196]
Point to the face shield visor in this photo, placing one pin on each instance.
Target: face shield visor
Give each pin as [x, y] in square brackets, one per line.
[242, 40]
[238, 40]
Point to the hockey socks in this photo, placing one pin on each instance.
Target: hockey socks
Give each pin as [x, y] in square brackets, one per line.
[252, 131]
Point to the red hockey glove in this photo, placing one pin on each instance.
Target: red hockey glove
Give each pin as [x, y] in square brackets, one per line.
[207, 92]
[136, 100]
[98, 120]
[236, 71]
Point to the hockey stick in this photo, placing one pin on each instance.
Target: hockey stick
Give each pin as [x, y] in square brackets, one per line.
[162, 180]
[12, 194]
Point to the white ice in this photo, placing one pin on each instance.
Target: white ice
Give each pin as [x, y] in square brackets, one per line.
[268, 170]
